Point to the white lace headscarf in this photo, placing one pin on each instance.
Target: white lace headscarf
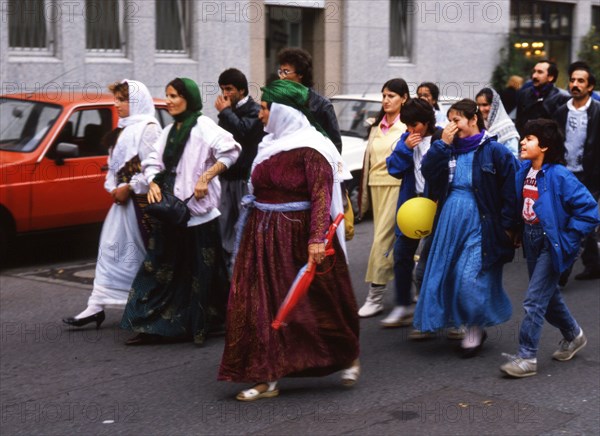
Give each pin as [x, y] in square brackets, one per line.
[289, 129]
[141, 113]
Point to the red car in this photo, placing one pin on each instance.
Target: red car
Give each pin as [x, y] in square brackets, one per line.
[52, 163]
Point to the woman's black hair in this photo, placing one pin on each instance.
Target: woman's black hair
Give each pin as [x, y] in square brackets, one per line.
[433, 90]
[398, 86]
[179, 86]
[487, 93]
[549, 136]
[418, 111]
[469, 109]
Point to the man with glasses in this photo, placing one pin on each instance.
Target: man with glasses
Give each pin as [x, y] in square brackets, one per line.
[295, 64]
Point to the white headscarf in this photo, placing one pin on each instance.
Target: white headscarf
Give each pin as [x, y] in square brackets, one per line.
[289, 129]
[141, 113]
[498, 122]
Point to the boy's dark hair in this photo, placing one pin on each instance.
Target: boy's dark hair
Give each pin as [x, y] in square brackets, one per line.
[235, 77]
[418, 110]
[302, 62]
[582, 66]
[469, 109]
[552, 69]
[549, 136]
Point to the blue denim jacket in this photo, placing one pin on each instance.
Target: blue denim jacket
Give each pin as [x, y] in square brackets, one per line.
[566, 210]
[494, 168]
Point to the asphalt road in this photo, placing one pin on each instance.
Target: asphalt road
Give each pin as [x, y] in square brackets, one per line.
[56, 381]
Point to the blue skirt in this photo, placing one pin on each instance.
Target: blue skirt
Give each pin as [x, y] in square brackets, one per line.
[456, 291]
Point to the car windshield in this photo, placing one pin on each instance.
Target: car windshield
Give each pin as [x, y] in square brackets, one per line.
[355, 116]
[24, 123]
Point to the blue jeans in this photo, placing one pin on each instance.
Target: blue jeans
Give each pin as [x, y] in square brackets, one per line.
[543, 298]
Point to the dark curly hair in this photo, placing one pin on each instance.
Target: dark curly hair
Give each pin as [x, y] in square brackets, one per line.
[418, 110]
[549, 135]
[302, 62]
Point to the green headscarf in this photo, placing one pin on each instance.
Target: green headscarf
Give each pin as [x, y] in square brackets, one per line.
[291, 94]
[178, 137]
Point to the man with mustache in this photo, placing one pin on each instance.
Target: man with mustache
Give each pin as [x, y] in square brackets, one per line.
[543, 98]
[580, 119]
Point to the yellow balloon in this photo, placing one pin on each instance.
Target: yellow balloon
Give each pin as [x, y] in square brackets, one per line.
[415, 217]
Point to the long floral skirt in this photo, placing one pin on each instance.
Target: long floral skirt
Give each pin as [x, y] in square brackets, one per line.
[181, 288]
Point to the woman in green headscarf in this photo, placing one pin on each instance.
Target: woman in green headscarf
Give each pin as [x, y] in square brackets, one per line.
[295, 184]
[180, 292]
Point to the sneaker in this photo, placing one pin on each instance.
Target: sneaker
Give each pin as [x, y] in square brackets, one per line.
[400, 316]
[418, 335]
[568, 349]
[374, 302]
[519, 367]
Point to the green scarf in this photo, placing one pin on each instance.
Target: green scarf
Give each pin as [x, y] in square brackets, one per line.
[291, 94]
[178, 137]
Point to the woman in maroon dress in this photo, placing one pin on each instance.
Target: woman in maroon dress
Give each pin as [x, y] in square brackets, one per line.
[296, 190]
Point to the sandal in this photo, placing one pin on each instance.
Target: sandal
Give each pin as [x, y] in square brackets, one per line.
[253, 394]
[350, 375]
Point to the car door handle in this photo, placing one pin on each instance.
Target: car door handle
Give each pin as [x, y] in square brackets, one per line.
[104, 168]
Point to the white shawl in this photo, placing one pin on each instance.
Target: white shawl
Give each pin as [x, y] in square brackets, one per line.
[289, 129]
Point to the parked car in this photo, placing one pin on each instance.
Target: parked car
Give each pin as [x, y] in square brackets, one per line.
[52, 163]
[356, 113]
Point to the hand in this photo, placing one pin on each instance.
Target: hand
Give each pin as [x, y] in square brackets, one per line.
[316, 253]
[201, 188]
[222, 102]
[121, 194]
[449, 132]
[413, 140]
[154, 194]
[515, 237]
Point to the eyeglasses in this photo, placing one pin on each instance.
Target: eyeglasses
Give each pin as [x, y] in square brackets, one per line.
[284, 73]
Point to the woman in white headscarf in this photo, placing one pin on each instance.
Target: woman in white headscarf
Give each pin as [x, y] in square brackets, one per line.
[296, 191]
[497, 122]
[124, 234]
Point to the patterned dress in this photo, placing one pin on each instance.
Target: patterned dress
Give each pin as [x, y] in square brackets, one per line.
[322, 330]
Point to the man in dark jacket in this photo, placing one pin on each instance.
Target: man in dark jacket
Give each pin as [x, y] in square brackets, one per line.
[580, 120]
[543, 98]
[238, 114]
[295, 64]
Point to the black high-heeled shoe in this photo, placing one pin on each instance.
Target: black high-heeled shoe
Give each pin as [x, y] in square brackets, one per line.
[98, 318]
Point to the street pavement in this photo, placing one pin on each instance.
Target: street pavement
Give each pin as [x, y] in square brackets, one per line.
[55, 380]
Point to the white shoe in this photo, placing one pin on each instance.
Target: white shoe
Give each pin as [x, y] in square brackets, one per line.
[374, 302]
[400, 316]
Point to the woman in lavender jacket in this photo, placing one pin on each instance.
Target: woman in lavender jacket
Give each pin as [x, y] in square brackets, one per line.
[180, 292]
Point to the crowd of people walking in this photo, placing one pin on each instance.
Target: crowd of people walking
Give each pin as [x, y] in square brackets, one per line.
[259, 190]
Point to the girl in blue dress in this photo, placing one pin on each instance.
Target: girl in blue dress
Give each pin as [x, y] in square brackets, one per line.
[474, 177]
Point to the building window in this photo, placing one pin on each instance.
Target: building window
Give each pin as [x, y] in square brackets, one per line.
[543, 30]
[596, 18]
[105, 26]
[173, 26]
[29, 29]
[401, 29]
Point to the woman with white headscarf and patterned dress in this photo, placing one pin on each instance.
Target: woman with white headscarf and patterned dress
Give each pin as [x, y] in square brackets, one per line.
[496, 119]
[124, 234]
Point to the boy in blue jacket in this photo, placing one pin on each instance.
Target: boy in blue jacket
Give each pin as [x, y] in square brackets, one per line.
[558, 212]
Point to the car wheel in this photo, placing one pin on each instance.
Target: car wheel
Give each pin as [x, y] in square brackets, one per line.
[7, 236]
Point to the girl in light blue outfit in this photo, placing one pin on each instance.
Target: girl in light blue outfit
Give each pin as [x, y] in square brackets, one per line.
[474, 178]
[558, 212]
